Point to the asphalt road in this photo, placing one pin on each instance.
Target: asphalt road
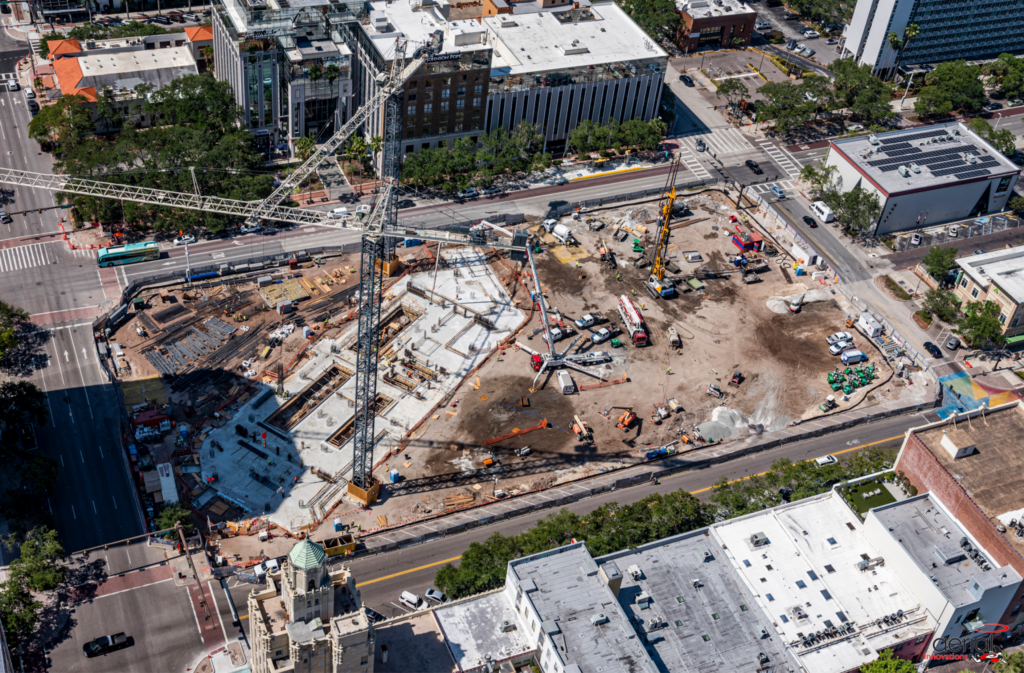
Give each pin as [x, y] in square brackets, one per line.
[383, 577]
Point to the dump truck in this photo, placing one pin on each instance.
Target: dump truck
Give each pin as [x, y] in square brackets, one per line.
[343, 544]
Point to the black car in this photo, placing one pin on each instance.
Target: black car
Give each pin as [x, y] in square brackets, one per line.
[161, 20]
[373, 615]
[406, 203]
[686, 80]
[752, 165]
[932, 349]
[994, 106]
[105, 645]
[810, 222]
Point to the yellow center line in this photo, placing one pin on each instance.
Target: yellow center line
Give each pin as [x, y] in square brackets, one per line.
[406, 572]
[703, 490]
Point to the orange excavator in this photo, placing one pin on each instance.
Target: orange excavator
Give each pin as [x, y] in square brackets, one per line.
[627, 418]
[582, 430]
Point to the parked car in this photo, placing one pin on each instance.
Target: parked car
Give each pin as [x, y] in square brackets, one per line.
[685, 79]
[29, 93]
[980, 252]
[855, 127]
[586, 321]
[810, 98]
[411, 600]
[812, 35]
[800, 48]
[808, 52]
[33, 106]
[435, 596]
[838, 336]
[838, 347]
[915, 239]
[763, 25]
[791, 45]
[603, 334]
[268, 566]
[994, 106]
[4, 217]
[187, 239]
[373, 616]
[1016, 102]
[193, 17]
[12, 85]
[470, 193]
[249, 228]
[406, 203]
[176, 18]
[825, 460]
[810, 221]
[105, 645]
[932, 349]
[752, 165]
[832, 40]
[953, 343]
[490, 191]
[161, 19]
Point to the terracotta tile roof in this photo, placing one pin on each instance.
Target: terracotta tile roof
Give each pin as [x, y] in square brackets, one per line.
[69, 75]
[199, 33]
[64, 47]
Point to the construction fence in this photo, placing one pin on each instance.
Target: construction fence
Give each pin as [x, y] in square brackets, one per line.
[568, 208]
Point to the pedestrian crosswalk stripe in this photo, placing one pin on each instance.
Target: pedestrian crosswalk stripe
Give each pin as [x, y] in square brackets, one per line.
[784, 159]
[25, 257]
[7, 75]
[695, 166]
[784, 185]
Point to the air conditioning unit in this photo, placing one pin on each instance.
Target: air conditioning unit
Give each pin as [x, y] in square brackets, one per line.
[914, 168]
[903, 171]
[599, 618]
[507, 626]
[873, 140]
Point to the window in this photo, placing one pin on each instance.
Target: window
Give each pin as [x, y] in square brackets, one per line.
[444, 118]
[1016, 610]
[800, 583]
[841, 615]
[476, 114]
[810, 573]
[444, 105]
[363, 660]
[784, 618]
[746, 563]
[430, 82]
[1015, 321]
[974, 293]
[411, 110]
[768, 567]
[963, 282]
[743, 608]
[461, 103]
[1002, 318]
[769, 597]
[458, 127]
[831, 541]
[829, 569]
[409, 149]
[920, 639]
[428, 108]
[461, 91]
[446, 93]
[411, 133]
[411, 98]
[447, 81]
[827, 596]
[478, 89]
[411, 121]
[476, 102]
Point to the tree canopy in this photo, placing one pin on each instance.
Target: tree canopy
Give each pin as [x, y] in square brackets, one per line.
[11, 318]
[980, 324]
[37, 568]
[887, 662]
[170, 515]
[857, 210]
[22, 402]
[953, 85]
[942, 304]
[858, 90]
[1002, 140]
[733, 90]
[939, 261]
[1007, 72]
[657, 18]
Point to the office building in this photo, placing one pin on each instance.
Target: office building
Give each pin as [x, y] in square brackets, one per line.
[998, 277]
[309, 618]
[968, 31]
[968, 464]
[925, 175]
[714, 24]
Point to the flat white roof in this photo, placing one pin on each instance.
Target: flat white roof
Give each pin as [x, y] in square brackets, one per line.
[418, 26]
[1005, 268]
[539, 41]
[806, 579]
[94, 65]
[704, 9]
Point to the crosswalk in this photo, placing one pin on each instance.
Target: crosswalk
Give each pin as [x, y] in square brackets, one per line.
[784, 185]
[693, 163]
[87, 254]
[26, 257]
[780, 156]
[7, 75]
[721, 141]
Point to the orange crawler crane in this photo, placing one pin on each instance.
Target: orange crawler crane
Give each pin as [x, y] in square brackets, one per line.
[626, 419]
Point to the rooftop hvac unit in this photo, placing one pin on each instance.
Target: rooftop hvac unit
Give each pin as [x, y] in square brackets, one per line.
[507, 626]
[599, 618]
[706, 554]
[971, 159]
[873, 140]
[761, 632]
[914, 168]
[762, 658]
[903, 171]
[758, 539]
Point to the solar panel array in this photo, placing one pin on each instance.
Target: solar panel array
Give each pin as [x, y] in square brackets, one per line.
[947, 160]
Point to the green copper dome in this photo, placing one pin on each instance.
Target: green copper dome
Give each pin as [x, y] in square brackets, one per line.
[306, 555]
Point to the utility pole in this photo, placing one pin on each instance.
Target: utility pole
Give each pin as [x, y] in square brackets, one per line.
[184, 545]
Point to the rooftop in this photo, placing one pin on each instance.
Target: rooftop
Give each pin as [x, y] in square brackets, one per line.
[991, 474]
[579, 612]
[472, 630]
[934, 540]
[546, 41]
[1003, 267]
[924, 157]
[701, 9]
[803, 564]
[199, 33]
[711, 621]
[417, 25]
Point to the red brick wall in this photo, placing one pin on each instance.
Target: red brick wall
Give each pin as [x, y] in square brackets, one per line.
[926, 473]
[912, 650]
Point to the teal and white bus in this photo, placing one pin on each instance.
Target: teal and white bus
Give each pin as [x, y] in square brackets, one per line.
[116, 255]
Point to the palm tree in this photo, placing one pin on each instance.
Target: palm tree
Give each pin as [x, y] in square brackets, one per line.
[304, 147]
[355, 150]
[314, 72]
[332, 73]
[899, 46]
[376, 144]
[207, 53]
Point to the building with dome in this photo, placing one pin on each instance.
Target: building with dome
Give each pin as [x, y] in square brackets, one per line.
[310, 618]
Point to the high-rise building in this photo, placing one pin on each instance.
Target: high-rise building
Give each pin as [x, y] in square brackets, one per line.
[949, 31]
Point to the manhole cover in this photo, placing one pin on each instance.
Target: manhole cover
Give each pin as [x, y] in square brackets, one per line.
[873, 254]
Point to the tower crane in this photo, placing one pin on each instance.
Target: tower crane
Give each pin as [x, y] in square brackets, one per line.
[376, 230]
[657, 285]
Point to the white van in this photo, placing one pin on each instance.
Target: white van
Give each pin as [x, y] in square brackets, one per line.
[410, 600]
[821, 210]
[566, 383]
[853, 356]
[339, 213]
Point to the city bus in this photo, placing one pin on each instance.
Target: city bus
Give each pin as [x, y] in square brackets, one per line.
[116, 255]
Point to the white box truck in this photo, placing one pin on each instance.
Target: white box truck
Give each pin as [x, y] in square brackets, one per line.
[869, 325]
[566, 383]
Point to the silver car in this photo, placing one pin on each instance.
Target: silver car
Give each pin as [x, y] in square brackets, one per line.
[839, 347]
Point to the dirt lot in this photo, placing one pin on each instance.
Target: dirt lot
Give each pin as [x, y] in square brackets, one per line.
[784, 360]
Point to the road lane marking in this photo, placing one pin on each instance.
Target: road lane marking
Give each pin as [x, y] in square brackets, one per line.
[81, 454]
[115, 507]
[217, 608]
[73, 512]
[81, 373]
[94, 510]
[60, 367]
[406, 572]
[101, 451]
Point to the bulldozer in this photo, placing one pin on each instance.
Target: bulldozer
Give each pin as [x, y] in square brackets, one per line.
[715, 391]
[582, 430]
[736, 379]
[627, 418]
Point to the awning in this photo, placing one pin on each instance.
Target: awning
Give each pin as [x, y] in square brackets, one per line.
[1015, 339]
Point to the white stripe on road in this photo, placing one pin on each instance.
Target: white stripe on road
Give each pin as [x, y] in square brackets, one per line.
[785, 160]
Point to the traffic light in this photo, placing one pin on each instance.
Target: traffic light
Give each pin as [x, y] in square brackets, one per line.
[67, 205]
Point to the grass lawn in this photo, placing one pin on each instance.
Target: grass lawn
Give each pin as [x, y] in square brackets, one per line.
[861, 504]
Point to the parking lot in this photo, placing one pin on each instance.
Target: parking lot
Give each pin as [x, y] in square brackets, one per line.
[776, 16]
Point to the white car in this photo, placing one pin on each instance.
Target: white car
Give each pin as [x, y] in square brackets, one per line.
[838, 336]
[763, 25]
[855, 127]
[601, 335]
[187, 239]
[839, 346]
[585, 321]
[825, 460]
[809, 52]
[435, 596]
[29, 93]
[800, 48]
[12, 85]
[468, 193]
[249, 228]
[812, 34]
[490, 191]
[268, 566]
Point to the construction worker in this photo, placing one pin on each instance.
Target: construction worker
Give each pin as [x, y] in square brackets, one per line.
[618, 276]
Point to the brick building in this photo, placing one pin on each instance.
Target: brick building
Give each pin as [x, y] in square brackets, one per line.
[996, 277]
[714, 23]
[969, 465]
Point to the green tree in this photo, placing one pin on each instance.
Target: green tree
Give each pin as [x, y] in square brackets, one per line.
[857, 210]
[23, 403]
[331, 72]
[899, 45]
[304, 148]
[858, 90]
[733, 90]
[980, 324]
[657, 18]
[942, 304]
[1011, 663]
[887, 662]
[939, 261]
[1002, 140]
[1016, 204]
[39, 561]
[952, 85]
[314, 72]
[171, 515]
[18, 610]
[785, 104]
[821, 178]
[65, 123]
[11, 319]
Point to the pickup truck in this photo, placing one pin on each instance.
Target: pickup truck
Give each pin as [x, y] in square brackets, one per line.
[105, 644]
[587, 320]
